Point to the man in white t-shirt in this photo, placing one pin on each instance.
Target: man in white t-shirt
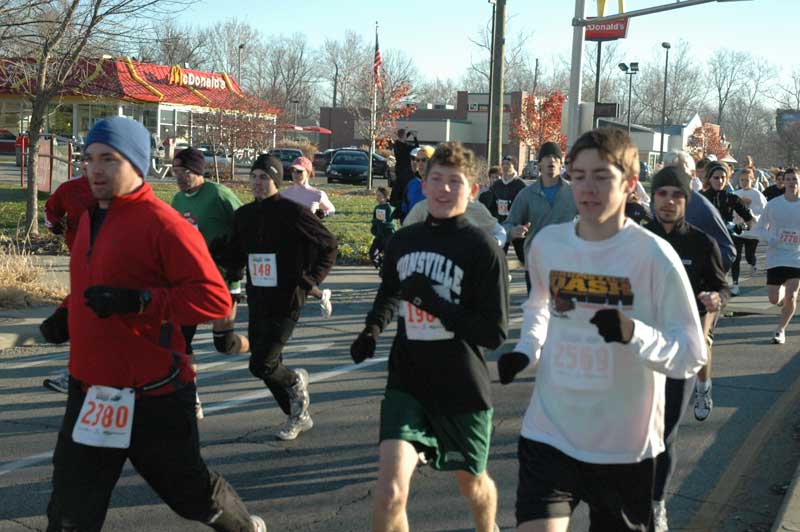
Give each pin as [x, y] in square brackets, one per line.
[596, 419]
[780, 227]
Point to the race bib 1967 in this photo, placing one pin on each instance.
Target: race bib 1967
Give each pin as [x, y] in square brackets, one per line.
[106, 418]
[263, 268]
[502, 207]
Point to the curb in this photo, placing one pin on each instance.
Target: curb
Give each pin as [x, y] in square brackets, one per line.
[788, 519]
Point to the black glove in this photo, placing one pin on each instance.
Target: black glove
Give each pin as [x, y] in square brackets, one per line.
[59, 227]
[417, 290]
[319, 213]
[54, 329]
[217, 248]
[509, 364]
[364, 346]
[232, 275]
[105, 300]
[739, 228]
[609, 324]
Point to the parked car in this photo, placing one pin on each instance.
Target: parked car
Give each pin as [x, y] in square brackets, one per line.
[323, 159]
[348, 166]
[531, 170]
[223, 160]
[286, 155]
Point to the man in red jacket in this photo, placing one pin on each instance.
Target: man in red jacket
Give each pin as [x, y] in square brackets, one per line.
[138, 271]
[62, 212]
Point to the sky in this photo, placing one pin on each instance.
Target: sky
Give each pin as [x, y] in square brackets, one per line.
[435, 32]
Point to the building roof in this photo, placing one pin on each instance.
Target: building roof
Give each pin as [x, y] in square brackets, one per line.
[131, 80]
[635, 128]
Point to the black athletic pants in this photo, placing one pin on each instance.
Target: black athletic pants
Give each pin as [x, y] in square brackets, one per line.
[268, 337]
[678, 392]
[749, 246]
[164, 449]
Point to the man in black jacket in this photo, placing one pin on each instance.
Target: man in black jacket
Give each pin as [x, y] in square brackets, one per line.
[701, 257]
[403, 169]
[449, 280]
[288, 253]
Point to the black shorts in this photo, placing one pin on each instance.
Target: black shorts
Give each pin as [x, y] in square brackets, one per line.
[551, 484]
[780, 274]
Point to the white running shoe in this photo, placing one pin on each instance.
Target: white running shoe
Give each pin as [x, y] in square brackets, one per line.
[198, 406]
[59, 383]
[703, 404]
[735, 289]
[258, 524]
[779, 338]
[294, 426]
[325, 305]
[660, 516]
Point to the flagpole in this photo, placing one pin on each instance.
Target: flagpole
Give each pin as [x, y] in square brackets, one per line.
[372, 118]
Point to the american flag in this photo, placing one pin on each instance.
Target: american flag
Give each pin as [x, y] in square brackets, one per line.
[376, 65]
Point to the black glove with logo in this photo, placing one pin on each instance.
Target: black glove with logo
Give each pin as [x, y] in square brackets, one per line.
[609, 324]
[417, 290]
[509, 364]
[54, 329]
[105, 300]
[364, 346]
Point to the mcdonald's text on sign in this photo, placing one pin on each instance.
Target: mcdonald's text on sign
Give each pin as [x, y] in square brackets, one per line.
[607, 31]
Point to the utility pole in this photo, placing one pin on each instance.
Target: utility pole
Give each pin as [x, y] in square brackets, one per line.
[491, 69]
[496, 97]
[595, 119]
[576, 76]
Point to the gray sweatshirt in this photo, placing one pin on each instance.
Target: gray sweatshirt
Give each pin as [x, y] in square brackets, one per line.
[532, 206]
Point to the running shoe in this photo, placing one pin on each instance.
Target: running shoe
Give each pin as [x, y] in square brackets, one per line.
[660, 516]
[298, 394]
[702, 404]
[779, 338]
[735, 289]
[294, 426]
[325, 305]
[198, 406]
[258, 523]
[59, 383]
[754, 269]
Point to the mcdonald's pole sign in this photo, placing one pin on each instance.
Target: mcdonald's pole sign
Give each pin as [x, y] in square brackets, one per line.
[607, 31]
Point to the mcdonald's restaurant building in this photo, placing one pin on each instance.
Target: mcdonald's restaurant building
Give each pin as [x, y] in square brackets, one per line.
[170, 101]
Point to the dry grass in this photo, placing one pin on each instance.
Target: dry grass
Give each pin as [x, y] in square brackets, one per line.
[21, 282]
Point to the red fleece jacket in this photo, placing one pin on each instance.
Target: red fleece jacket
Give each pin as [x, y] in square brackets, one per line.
[70, 199]
[143, 244]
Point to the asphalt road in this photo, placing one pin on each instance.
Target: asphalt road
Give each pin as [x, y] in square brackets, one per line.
[324, 480]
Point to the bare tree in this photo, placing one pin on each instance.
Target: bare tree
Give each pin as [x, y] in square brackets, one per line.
[46, 49]
[518, 70]
[787, 93]
[172, 44]
[726, 73]
[340, 62]
[222, 48]
[437, 91]
[749, 120]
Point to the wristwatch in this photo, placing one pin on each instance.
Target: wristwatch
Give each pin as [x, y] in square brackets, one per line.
[145, 297]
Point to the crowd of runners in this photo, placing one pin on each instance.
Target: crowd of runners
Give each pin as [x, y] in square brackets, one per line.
[624, 291]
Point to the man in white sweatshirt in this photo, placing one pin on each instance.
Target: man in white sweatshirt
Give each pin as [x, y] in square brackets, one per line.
[779, 226]
[617, 311]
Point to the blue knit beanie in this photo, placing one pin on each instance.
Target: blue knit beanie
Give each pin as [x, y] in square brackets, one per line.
[127, 136]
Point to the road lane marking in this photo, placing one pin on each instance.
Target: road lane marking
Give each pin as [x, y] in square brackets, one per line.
[212, 408]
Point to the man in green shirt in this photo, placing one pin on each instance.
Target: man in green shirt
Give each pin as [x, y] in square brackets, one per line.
[209, 207]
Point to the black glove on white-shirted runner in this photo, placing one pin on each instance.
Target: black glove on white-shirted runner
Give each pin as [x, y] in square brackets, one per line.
[509, 364]
[609, 324]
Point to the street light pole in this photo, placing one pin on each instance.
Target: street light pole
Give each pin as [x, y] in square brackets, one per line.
[496, 97]
[630, 72]
[666, 46]
[239, 69]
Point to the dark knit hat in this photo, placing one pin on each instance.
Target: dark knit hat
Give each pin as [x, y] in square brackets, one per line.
[126, 136]
[549, 148]
[193, 160]
[673, 176]
[713, 167]
[270, 164]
